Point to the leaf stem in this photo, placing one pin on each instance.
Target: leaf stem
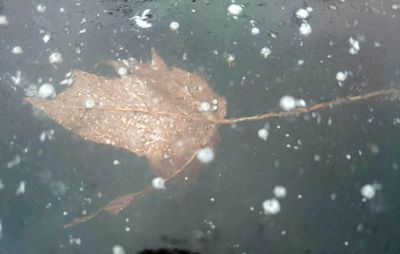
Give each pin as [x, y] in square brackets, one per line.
[312, 108]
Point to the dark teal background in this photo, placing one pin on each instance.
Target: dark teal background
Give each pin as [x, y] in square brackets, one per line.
[246, 168]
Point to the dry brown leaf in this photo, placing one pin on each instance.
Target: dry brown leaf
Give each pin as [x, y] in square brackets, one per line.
[154, 112]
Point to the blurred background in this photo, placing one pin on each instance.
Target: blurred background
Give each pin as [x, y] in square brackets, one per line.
[326, 182]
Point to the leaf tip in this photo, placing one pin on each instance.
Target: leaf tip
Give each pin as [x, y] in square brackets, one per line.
[156, 60]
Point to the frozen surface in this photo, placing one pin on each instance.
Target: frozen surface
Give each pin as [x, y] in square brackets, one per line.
[324, 182]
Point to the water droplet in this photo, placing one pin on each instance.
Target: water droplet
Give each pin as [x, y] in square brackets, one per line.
[305, 28]
[280, 191]
[56, 58]
[158, 183]
[174, 26]
[265, 52]
[271, 206]
[234, 9]
[205, 155]
[287, 103]
[368, 191]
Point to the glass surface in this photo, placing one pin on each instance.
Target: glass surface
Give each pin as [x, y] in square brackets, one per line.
[322, 182]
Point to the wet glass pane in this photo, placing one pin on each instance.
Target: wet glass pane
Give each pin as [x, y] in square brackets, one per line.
[202, 126]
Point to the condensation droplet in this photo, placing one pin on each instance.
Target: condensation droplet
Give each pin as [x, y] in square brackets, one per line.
[56, 58]
[46, 91]
[271, 206]
[205, 155]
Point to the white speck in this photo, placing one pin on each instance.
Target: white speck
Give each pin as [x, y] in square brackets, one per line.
[317, 157]
[122, 71]
[21, 188]
[302, 14]
[89, 103]
[271, 206]
[1, 184]
[73, 240]
[263, 134]
[1, 230]
[305, 28]
[141, 21]
[82, 31]
[280, 191]
[368, 191]
[396, 7]
[310, 9]
[127, 229]
[146, 12]
[42, 136]
[230, 59]
[17, 78]
[174, 26]
[272, 35]
[300, 103]
[46, 91]
[348, 156]
[184, 56]
[158, 183]
[62, 10]
[47, 135]
[212, 199]
[3, 20]
[46, 38]
[300, 62]
[341, 76]
[287, 103]
[265, 52]
[17, 50]
[234, 9]
[67, 81]
[41, 8]
[65, 213]
[56, 58]
[354, 46]
[205, 155]
[15, 161]
[116, 162]
[118, 249]
[204, 106]
[255, 31]
[31, 90]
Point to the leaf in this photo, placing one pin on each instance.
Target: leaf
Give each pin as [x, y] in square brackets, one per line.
[156, 112]
[153, 113]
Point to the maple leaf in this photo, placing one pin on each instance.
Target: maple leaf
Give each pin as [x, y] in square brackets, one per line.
[163, 113]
